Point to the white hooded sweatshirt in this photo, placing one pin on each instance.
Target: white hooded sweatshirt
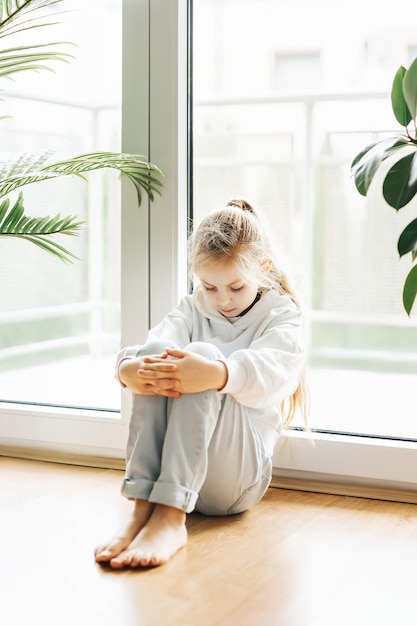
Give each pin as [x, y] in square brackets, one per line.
[263, 349]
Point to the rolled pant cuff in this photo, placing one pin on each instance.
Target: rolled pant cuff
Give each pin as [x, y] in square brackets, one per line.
[174, 495]
[137, 488]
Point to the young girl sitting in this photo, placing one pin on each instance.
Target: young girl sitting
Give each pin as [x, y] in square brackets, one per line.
[212, 387]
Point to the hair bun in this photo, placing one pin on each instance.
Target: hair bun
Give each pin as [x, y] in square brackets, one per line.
[241, 204]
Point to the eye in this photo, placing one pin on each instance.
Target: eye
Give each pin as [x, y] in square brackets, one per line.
[208, 288]
[236, 289]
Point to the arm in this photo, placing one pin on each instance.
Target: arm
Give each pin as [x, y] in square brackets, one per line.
[131, 375]
[175, 328]
[268, 371]
[189, 373]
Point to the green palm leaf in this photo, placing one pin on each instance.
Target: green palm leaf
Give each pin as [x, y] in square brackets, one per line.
[144, 175]
[15, 60]
[17, 16]
[14, 223]
[24, 163]
[20, 15]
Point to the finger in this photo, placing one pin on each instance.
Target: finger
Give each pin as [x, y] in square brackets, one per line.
[179, 354]
[151, 390]
[161, 383]
[157, 365]
[168, 393]
[154, 359]
[164, 388]
[155, 374]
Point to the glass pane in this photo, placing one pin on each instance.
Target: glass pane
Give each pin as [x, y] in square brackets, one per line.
[280, 110]
[59, 324]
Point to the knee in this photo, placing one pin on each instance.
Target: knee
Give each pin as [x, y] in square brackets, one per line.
[204, 349]
[154, 347]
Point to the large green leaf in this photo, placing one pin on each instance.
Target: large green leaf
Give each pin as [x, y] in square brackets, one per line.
[400, 184]
[398, 101]
[410, 88]
[410, 289]
[408, 239]
[367, 162]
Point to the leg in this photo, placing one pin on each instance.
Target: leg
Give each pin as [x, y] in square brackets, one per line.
[202, 431]
[168, 443]
[144, 448]
[160, 538]
[120, 541]
[237, 473]
[237, 452]
[190, 424]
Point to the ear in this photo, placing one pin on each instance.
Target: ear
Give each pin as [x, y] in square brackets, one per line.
[266, 265]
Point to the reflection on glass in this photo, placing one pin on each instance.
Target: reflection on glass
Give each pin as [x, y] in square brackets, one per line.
[59, 324]
[280, 110]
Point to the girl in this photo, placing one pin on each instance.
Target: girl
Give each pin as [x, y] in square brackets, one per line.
[212, 386]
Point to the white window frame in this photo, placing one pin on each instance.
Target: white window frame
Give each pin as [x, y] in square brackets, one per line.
[155, 114]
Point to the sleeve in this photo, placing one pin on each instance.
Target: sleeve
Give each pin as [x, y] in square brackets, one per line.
[175, 328]
[268, 371]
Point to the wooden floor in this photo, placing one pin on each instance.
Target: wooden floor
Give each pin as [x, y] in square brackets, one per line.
[296, 559]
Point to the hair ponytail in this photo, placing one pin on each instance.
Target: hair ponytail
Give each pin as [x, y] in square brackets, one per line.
[241, 204]
[299, 401]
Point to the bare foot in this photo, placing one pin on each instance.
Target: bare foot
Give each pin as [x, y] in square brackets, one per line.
[163, 535]
[120, 541]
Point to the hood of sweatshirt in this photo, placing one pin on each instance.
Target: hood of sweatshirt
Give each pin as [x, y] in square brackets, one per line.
[269, 305]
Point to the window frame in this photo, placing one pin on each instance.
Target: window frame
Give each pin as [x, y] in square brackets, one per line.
[156, 116]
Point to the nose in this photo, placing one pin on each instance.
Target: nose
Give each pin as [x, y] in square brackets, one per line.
[223, 300]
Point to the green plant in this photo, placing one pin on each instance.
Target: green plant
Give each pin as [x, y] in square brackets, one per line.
[400, 181]
[17, 17]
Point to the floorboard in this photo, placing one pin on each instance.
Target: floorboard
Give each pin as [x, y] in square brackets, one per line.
[296, 559]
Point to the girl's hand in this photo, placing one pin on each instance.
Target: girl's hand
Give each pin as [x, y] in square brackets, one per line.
[149, 375]
[192, 374]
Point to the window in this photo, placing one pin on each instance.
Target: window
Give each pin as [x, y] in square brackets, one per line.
[83, 417]
[58, 323]
[290, 154]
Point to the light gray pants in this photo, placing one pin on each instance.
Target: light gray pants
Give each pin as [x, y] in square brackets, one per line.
[199, 451]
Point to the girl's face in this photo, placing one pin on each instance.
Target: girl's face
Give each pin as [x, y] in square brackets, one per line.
[225, 290]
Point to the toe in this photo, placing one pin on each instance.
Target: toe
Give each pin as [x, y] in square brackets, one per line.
[117, 563]
[122, 560]
[146, 559]
[103, 555]
[139, 559]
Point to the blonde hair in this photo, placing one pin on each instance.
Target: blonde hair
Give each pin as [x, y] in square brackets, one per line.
[235, 233]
